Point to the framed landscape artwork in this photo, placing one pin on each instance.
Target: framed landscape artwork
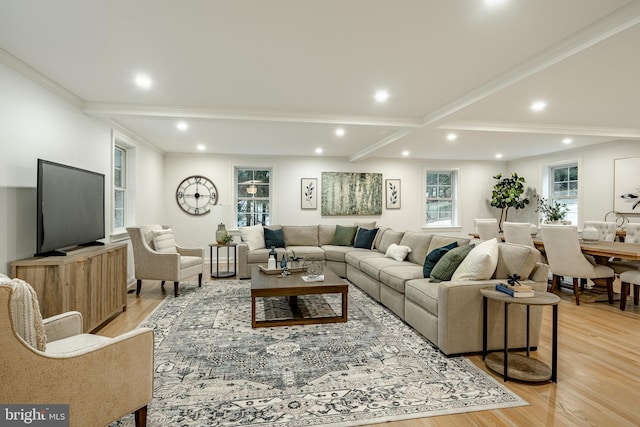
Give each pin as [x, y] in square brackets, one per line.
[392, 193]
[351, 193]
[309, 193]
[626, 187]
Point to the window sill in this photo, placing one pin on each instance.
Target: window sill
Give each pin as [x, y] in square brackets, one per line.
[442, 228]
[119, 236]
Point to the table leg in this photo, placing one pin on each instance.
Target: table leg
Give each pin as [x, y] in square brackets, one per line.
[345, 303]
[554, 345]
[528, 334]
[211, 261]
[253, 311]
[484, 327]
[506, 341]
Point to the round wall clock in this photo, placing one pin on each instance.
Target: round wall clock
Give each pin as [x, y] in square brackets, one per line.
[196, 194]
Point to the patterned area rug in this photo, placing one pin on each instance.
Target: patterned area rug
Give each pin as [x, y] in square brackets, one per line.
[213, 369]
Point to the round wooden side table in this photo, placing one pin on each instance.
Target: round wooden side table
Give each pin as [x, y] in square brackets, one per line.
[517, 366]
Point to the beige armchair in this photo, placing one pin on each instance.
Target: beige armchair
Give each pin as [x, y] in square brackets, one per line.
[157, 257]
[566, 259]
[101, 379]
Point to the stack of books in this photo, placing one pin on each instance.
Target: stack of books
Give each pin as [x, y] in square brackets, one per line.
[516, 291]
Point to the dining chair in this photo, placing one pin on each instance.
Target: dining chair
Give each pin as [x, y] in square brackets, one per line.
[565, 259]
[518, 232]
[606, 229]
[632, 231]
[487, 228]
[627, 278]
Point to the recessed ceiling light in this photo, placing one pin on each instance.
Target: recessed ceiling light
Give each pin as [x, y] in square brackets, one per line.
[318, 150]
[381, 96]
[143, 81]
[452, 136]
[201, 147]
[491, 3]
[340, 132]
[405, 153]
[538, 106]
[182, 126]
[567, 141]
[498, 155]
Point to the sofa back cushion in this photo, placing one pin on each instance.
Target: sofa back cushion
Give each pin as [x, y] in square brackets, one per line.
[376, 242]
[419, 243]
[300, 235]
[390, 236]
[325, 234]
[440, 241]
[164, 242]
[515, 259]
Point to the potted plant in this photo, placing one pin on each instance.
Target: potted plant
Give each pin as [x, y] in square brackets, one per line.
[507, 193]
[552, 213]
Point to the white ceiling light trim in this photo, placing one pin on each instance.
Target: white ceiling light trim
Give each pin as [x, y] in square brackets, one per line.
[143, 81]
[542, 128]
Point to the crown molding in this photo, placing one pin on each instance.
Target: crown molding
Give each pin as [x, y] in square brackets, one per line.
[569, 130]
[136, 110]
[129, 134]
[37, 77]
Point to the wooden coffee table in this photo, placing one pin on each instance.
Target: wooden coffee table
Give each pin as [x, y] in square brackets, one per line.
[271, 285]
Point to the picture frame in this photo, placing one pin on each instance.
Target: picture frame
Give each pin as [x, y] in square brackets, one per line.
[351, 194]
[309, 193]
[626, 187]
[392, 193]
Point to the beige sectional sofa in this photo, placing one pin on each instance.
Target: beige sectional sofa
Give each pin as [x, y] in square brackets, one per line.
[447, 313]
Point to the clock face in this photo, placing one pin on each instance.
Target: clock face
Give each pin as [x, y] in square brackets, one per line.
[196, 194]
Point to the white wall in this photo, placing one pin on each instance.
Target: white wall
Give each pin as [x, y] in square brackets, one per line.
[475, 191]
[596, 173]
[35, 123]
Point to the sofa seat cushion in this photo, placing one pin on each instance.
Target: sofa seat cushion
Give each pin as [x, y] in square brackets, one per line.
[300, 235]
[419, 244]
[423, 293]
[396, 276]
[261, 256]
[308, 252]
[373, 266]
[189, 261]
[354, 257]
[339, 253]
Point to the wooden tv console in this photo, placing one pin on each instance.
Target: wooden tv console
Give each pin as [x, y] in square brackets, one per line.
[90, 280]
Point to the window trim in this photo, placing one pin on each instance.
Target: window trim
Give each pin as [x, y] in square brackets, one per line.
[237, 198]
[546, 182]
[455, 199]
[130, 147]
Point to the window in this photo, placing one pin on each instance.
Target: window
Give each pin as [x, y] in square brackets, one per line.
[253, 196]
[119, 186]
[564, 188]
[441, 191]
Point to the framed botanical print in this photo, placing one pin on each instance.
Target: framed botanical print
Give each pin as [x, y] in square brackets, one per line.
[392, 193]
[309, 193]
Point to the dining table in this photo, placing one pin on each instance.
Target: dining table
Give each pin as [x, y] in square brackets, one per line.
[602, 250]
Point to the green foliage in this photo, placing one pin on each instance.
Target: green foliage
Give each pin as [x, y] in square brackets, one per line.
[507, 193]
[555, 211]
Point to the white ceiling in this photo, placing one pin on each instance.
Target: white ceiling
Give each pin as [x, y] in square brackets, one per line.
[278, 77]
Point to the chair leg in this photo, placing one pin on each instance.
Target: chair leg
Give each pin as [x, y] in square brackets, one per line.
[138, 286]
[162, 284]
[200, 280]
[636, 294]
[175, 288]
[609, 282]
[576, 289]
[141, 417]
[555, 283]
[624, 290]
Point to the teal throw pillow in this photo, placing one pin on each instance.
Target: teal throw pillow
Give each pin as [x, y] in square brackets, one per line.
[444, 269]
[365, 237]
[344, 235]
[273, 238]
[434, 256]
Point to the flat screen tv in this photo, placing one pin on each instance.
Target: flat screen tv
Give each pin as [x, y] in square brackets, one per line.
[70, 208]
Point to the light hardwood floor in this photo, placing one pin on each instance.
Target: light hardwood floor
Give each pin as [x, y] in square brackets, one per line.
[598, 367]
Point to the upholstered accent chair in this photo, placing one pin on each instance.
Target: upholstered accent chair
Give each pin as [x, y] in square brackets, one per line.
[566, 259]
[518, 233]
[606, 229]
[156, 256]
[51, 361]
[487, 228]
[627, 278]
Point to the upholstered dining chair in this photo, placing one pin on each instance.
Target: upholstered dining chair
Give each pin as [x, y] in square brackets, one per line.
[606, 229]
[157, 257]
[487, 228]
[51, 361]
[518, 232]
[627, 278]
[565, 259]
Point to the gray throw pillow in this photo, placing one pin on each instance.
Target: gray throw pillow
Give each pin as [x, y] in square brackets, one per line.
[447, 265]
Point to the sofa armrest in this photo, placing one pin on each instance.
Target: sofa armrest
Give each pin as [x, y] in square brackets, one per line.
[244, 272]
[199, 252]
[63, 325]
[540, 273]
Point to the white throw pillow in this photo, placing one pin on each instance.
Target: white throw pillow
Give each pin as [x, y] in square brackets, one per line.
[253, 236]
[164, 242]
[397, 252]
[480, 263]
